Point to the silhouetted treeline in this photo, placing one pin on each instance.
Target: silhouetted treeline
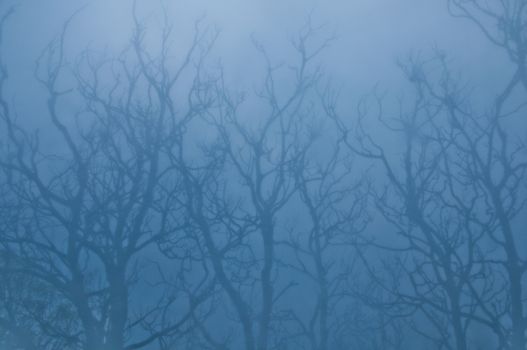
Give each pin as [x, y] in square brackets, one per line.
[159, 208]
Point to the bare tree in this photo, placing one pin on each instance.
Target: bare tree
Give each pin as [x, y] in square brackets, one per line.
[493, 146]
[494, 162]
[453, 198]
[335, 203]
[93, 211]
[236, 196]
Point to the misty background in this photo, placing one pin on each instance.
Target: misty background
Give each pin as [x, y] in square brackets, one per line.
[274, 175]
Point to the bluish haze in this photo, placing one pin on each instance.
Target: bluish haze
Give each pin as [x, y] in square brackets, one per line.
[263, 175]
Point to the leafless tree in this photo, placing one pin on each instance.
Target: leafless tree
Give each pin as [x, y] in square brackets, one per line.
[335, 203]
[453, 195]
[494, 147]
[237, 196]
[92, 212]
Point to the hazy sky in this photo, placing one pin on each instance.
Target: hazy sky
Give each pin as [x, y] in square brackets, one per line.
[372, 34]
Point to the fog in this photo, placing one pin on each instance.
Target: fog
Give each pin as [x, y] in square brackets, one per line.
[261, 175]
